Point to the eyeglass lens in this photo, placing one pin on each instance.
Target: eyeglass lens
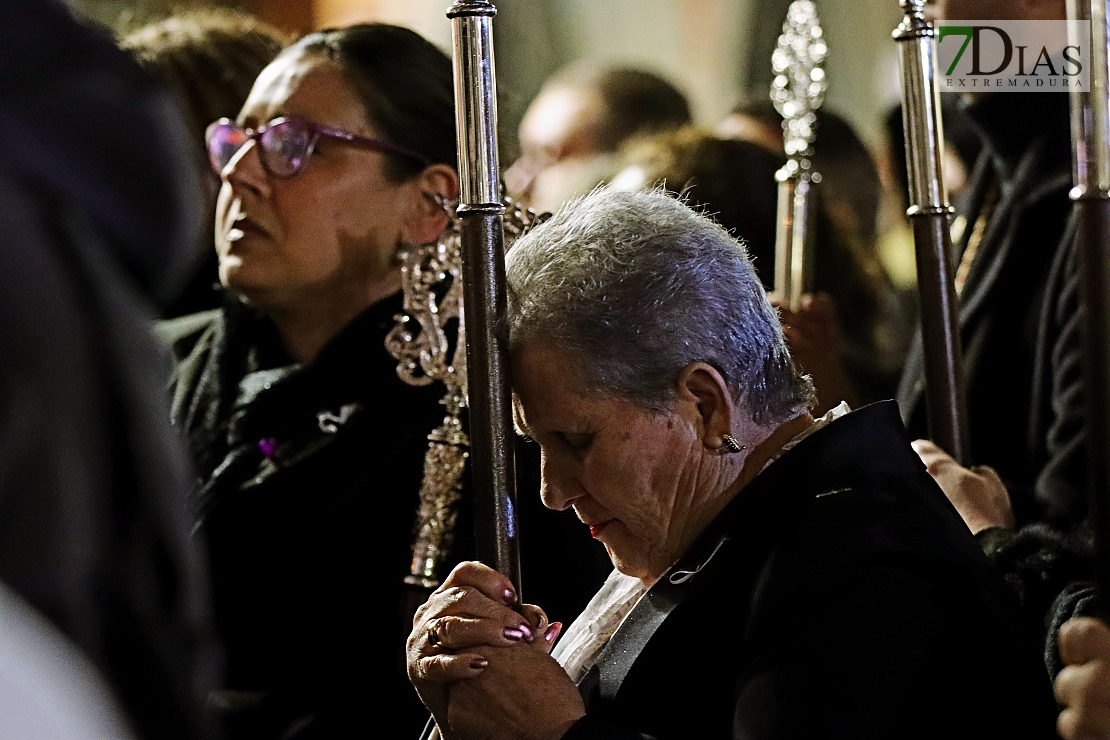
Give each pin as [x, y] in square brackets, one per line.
[283, 147]
[224, 140]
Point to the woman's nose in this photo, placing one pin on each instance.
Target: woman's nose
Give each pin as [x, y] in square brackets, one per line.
[554, 491]
[245, 169]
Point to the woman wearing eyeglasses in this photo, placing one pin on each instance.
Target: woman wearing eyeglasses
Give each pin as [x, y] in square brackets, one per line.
[308, 446]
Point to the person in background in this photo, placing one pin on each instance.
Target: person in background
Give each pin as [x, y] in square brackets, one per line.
[210, 57]
[101, 212]
[572, 131]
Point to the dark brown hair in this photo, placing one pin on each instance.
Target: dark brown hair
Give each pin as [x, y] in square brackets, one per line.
[405, 84]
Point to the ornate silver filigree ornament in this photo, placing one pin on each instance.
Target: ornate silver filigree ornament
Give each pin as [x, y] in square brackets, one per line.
[429, 345]
[797, 92]
[800, 83]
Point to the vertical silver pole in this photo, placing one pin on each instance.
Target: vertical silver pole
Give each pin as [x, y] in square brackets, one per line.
[929, 212]
[480, 213]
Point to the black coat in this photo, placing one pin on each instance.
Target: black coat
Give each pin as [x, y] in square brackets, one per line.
[839, 596]
[310, 545]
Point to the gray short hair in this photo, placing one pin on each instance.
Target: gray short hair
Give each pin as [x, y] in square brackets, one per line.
[637, 286]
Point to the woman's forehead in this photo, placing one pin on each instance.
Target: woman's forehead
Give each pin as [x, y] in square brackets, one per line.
[549, 388]
[304, 85]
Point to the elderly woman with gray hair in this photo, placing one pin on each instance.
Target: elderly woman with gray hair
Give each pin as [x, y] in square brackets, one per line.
[776, 576]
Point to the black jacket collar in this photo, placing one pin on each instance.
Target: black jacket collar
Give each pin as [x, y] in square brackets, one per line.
[864, 444]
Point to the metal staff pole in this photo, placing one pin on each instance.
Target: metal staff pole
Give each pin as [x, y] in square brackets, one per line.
[929, 212]
[480, 213]
[1090, 126]
[797, 92]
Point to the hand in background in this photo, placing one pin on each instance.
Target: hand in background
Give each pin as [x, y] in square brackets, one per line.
[977, 493]
[813, 334]
[1083, 687]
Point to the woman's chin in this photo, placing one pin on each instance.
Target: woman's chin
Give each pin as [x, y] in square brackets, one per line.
[628, 564]
[239, 279]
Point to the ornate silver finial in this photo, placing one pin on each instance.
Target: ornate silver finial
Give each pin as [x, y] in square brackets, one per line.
[429, 345]
[800, 83]
[915, 8]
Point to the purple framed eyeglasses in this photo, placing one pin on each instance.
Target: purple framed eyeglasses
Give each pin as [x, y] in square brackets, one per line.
[285, 144]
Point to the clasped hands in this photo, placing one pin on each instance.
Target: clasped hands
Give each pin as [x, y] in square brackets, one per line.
[482, 668]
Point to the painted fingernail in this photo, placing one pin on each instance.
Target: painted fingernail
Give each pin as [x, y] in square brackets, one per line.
[479, 663]
[553, 631]
[529, 635]
[510, 596]
[514, 634]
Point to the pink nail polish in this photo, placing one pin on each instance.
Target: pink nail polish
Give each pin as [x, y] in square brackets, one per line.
[513, 634]
[478, 663]
[525, 630]
[510, 596]
[553, 631]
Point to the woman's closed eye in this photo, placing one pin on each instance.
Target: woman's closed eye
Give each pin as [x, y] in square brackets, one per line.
[577, 441]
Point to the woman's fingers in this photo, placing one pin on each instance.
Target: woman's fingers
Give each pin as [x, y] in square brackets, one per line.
[456, 633]
[445, 668]
[488, 581]
[535, 617]
[464, 601]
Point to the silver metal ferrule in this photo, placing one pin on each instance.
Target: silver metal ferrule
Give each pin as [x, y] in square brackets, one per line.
[1090, 109]
[921, 110]
[793, 257]
[476, 112]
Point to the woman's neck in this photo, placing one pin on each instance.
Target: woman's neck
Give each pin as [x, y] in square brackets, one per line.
[765, 451]
[307, 326]
[765, 444]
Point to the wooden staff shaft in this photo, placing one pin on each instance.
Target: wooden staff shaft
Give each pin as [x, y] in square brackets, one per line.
[940, 334]
[1094, 229]
[1090, 110]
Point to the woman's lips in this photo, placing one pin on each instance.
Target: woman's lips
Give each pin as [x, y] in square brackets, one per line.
[244, 226]
[596, 529]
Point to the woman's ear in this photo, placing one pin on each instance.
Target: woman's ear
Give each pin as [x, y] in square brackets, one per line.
[704, 389]
[427, 218]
